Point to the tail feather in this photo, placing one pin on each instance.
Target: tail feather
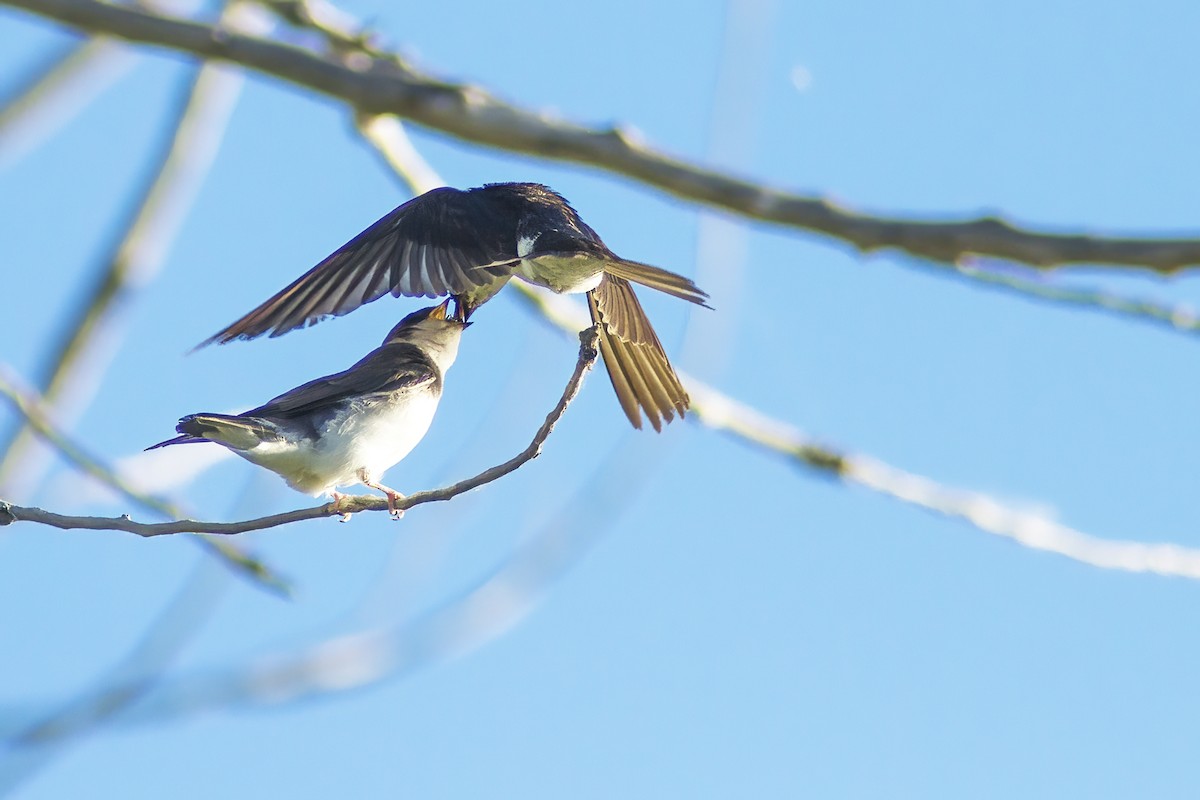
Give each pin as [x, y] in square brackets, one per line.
[617, 374]
[184, 439]
[238, 433]
[657, 278]
[637, 365]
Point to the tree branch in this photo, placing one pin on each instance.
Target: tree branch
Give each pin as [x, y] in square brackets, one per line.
[10, 513]
[381, 85]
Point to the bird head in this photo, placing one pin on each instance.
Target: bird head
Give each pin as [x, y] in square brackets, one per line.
[432, 329]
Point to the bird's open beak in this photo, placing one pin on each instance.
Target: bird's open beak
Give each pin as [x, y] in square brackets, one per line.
[440, 311]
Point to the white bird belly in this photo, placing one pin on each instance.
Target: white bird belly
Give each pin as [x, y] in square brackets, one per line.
[370, 437]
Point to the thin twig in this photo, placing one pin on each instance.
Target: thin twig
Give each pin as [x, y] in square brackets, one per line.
[374, 85]
[10, 513]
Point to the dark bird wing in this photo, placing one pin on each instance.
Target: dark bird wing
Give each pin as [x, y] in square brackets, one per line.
[388, 369]
[446, 241]
[637, 365]
[382, 372]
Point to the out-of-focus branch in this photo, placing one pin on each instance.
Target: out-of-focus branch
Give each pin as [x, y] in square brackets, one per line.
[56, 92]
[64, 85]
[341, 30]
[376, 85]
[716, 410]
[72, 371]
[493, 606]
[137, 673]
[10, 513]
[390, 142]
[1027, 528]
[30, 407]
[1178, 318]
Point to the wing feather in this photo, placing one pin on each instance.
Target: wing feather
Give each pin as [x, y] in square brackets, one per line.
[446, 241]
[382, 371]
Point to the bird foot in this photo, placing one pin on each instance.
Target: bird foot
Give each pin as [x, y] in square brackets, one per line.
[393, 497]
[343, 515]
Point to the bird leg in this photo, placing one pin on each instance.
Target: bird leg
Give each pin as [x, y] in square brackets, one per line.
[392, 495]
[337, 506]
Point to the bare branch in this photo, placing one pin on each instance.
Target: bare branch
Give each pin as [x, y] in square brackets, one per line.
[375, 85]
[31, 408]
[10, 513]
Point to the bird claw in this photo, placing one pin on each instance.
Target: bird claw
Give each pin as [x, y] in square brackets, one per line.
[343, 515]
[392, 495]
[392, 498]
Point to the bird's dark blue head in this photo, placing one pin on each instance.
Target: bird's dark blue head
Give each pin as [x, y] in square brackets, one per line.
[545, 218]
[526, 196]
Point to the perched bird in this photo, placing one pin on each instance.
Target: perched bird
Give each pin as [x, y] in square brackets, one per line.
[350, 427]
[467, 244]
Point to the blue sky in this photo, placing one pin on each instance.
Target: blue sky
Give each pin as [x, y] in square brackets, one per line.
[731, 624]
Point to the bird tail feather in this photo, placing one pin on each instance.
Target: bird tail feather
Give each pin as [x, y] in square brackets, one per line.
[238, 433]
[637, 365]
[657, 278]
[184, 439]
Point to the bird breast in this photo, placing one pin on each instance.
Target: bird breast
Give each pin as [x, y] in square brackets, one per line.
[375, 435]
[563, 273]
[367, 435]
